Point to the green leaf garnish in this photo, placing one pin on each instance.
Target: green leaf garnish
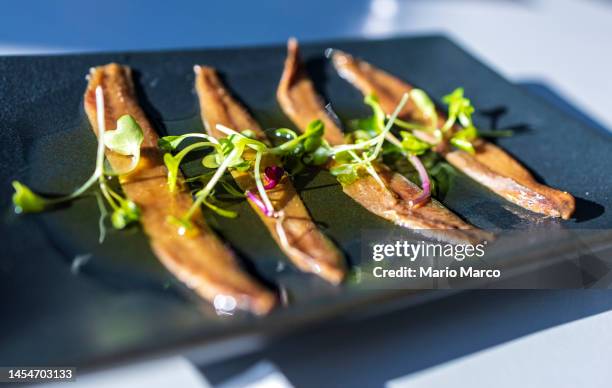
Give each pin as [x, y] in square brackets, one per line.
[124, 212]
[371, 149]
[347, 179]
[26, 201]
[169, 143]
[459, 108]
[468, 133]
[315, 128]
[121, 218]
[361, 135]
[285, 133]
[295, 143]
[412, 144]
[210, 161]
[425, 106]
[463, 139]
[242, 166]
[378, 116]
[463, 144]
[127, 138]
[309, 148]
[342, 169]
[173, 162]
[367, 125]
[318, 157]
[312, 143]
[345, 173]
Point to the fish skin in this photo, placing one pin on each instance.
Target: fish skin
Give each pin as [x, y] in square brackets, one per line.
[490, 166]
[322, 257]
[299, 100]
[199, 259]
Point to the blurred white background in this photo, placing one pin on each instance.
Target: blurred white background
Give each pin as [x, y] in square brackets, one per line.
[563, 44]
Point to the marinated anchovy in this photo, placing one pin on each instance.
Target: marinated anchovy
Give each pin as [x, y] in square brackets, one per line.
[197, 258]
[489, 165]
[298, 99]
[307, 247]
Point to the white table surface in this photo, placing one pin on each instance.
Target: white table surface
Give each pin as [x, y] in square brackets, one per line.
[564, 338]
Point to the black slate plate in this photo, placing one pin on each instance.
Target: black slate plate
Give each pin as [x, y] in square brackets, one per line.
[123, 303]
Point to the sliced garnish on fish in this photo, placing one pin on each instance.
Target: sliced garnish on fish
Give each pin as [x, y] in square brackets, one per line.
[298, 99]
[489, 165]
[296, 234]
[197, 257]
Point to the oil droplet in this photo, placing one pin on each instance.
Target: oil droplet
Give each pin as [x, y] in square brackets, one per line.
[225, 304]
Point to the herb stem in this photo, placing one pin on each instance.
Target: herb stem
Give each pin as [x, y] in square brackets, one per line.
[288, 145]
[192, 147]
[199, 135]
[99, 155]
[350, 147]
[226, 130]
[259, 183]
[107, 194]
[201, 196]
[98, 172]
[114, 194]
[387, 128]
[368, 166]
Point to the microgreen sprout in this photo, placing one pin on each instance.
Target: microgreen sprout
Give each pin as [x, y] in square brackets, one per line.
[463, 138]
[227, 153]
[172, 162]
[347, 169]
[412, 144]
[460, 112]
[235, 152]
[426, 107]
[243, 152]
[459, 109]
[416, 137]
[298, 151]
[125, 140]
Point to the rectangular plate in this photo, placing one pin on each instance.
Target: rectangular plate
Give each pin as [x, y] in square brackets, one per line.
[121, 302]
